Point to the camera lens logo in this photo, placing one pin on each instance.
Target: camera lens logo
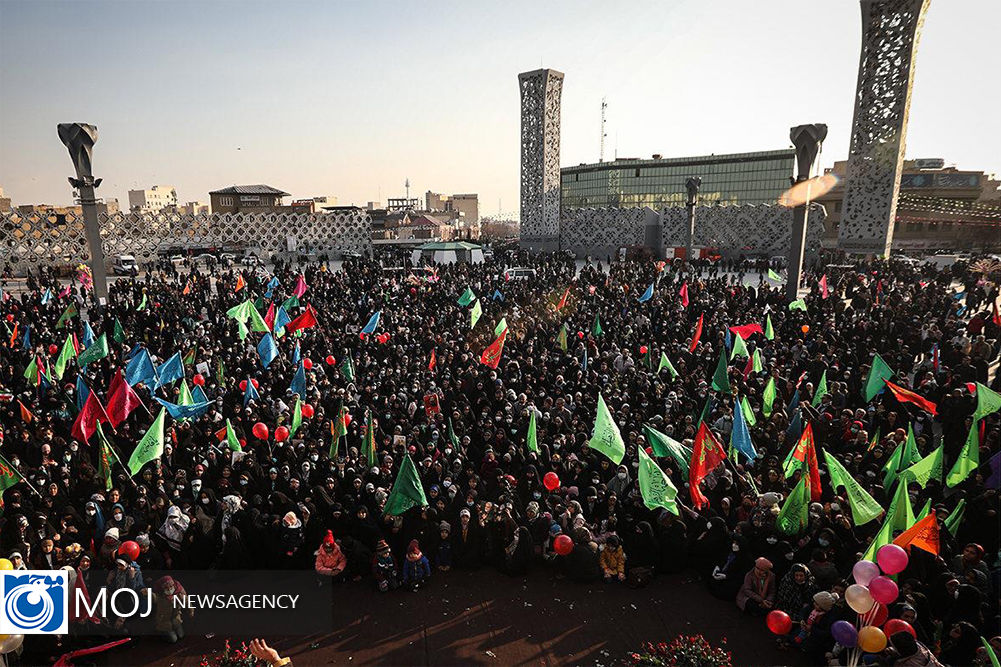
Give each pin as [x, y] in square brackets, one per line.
[34, 602]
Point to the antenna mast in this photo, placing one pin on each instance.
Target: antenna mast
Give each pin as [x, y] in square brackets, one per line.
[406, 184]
[601, 154]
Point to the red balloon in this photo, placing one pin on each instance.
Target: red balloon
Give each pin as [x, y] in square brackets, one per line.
[243, 385]
[307, 363]
[895, 625]
[198, 379]
[130, 549]
[563, 545]
[779, 622]
[580, 334]
[649, 451]
[307, 410]
[551, 481]
[243, 443]
[879, 616]
[254, 382]
[53, 348]
[642, 349]
[260, 431]
[330, 360]
[10, 317]
[281, 434]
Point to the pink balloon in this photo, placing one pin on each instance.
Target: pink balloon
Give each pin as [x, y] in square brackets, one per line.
[891, 558]
[865, 571]
[883, 590]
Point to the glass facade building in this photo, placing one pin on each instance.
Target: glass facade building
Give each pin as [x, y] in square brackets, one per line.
[737, 178]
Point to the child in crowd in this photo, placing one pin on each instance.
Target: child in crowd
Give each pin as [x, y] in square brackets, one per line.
[613, 559]
[384, 567]
[444, 556]
[415, 567]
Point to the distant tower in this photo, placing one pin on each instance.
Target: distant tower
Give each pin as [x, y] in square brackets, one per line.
[890, 33]
[540, 159]
[601, 152]
[406, 184]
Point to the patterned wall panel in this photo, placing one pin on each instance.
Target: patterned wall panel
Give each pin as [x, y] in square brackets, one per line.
[890, 33]
[600, 232]
[540, 158]
[28, 241]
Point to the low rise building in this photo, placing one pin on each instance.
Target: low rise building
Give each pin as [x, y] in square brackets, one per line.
[249, 199]
[158, 199]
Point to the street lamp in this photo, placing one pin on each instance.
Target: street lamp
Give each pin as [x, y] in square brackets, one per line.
[807, 140]
[692, 185]
[79, 139]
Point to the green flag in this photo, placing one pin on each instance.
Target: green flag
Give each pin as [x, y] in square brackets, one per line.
[118, 334]
[70, 312]
[296, 416]
[902, 457]
[955, 517]
[531, 440]
[745, 407]
[930, 467]
[769, 330]
[97, 350]
[240, 312]
[883, 537]
[475, 313]
[864, 506]
[756, 365]
[184, 396]
[348, 369]
[988, 401]
[879, 373]
[9, 476]
[795, 513]
[969, 458]
[900, 514]
[768, 398]
[467, 297]
[68, 353]
[739, 349]
[655, 486]
[242, 330]
[606, 438]
[257, 323]
[925, 511]
[798, 304]
[721, 378]
[407, 490]
[231, 440]
[821, 391]
[561, 339]
[452, 437]
[370, 455]
[31, 372]
[105, 458]
[991, 655]
[150, 448]
[220, 372]
[596, 329]
[773, 275]
[666, 363]
[142, 304]
[499, 329]
[664, 445]
[290, 303]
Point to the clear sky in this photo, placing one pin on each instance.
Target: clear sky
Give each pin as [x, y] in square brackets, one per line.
[351, 98]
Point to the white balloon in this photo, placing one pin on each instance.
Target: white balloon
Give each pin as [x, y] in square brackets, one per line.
[11, 643]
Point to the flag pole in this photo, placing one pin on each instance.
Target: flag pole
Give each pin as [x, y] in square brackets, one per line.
[23, 478]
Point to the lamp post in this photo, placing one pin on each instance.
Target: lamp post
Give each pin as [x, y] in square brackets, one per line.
[806, 139]
[692, 185]
[79, 139]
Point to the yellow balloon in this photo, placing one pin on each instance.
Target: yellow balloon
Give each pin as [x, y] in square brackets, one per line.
[871, 639]
[3, 638]
[6, 564]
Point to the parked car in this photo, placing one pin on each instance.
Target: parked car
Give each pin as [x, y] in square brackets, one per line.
[519, 273]
[125, 265]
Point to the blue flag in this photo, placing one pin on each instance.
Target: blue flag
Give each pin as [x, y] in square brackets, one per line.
[296, 354]
[133, 352]
[740, 436]
[585, 358]
[498, 296]
[26, 341]
[281, 318]
[140, 369]
[82, 392]
[170, 371]
[47, 296]
[198, 394]
[272, 284]
[373, 322]
[728, 340]
[88, 335]
[647, 295]
[183, 411]
[267, 350]
[298, 385]
[795, 429]
[793, 402]
[250, 394]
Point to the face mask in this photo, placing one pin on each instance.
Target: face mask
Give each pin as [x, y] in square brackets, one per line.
[771, 540]
[91, 512]
[735, 547]
[73, 448]
[180, 487]
[621, 475]
[243, 482]
[790, 556]
[68, 458]
[205, 501]
[314, 457]
[118, 516]
[955, 593]
[824, 543]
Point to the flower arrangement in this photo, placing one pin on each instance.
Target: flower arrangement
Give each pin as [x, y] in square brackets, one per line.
[683, 651]
[230, 657]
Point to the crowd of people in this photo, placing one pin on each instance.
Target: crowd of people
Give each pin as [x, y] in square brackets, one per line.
[415, 388]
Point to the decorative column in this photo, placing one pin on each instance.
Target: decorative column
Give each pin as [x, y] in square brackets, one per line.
[692, 185]
[79, 139]
[890, 33]
[540, 159]
[807, 140]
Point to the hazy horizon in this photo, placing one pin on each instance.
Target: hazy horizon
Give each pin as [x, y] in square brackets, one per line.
[350, 99]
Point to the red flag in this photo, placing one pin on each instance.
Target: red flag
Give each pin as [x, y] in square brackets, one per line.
[269, 319]
[304, 321]
[660, 266]
[491, 356]
[908, 396]
[300, 286]
[706, 455]
[66, 659]
[934, 356]
[187, 288]
[806, 452]
[684, 295]
[563, 301]
[747, 330]
[433, 361]
[997, 315]
[800, 380]
[25, 413]
[220, 435]
[698, 334]
[748, 367]
[923, 535]
[13, 336]
[122, 400]
[824, 292]
[240, 283]
[86, 421]
[76, 345]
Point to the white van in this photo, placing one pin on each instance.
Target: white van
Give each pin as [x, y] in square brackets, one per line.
[125, 265]
[519, 273]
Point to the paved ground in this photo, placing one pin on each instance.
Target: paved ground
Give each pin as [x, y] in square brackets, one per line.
[485, 618]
